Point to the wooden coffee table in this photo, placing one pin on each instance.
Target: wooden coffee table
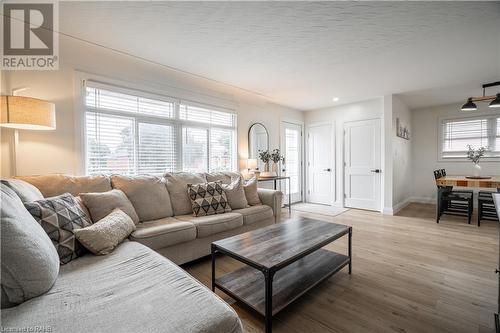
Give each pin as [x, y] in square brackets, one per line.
[283, 261]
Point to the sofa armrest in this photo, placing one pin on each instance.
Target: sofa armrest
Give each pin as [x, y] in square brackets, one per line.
[273, 199]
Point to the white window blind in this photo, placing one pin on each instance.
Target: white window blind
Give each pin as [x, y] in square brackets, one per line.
[128, 133]
[478, 132]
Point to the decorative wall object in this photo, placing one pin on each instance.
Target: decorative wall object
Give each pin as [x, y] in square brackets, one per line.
[402, 131]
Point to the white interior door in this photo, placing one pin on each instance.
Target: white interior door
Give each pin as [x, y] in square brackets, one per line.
[320, 164]
[362, 164]
[291, 146]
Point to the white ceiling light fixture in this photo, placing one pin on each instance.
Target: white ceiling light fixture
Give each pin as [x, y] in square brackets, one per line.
[495, 99]
[335, 99]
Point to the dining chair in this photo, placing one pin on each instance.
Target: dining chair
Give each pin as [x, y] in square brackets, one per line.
[453, 202]
[486, 207]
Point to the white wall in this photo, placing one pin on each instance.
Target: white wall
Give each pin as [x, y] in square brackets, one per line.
[369, 109]
[425, 144]
[58, 151]
[401, 156]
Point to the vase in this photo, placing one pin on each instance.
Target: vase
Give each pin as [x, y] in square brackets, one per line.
[476, 170]
[266, 167]
[275, 168]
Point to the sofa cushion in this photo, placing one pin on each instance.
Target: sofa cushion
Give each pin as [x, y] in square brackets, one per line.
[102, 237]
[163, 232]
[148, 194]
[25, 191]
[59, 217]
[177, 188]
[133, 289]
[30, 263]
[225, 177]
[213, 224]
[52, 185]
[235, 193]
[101, 204]
[208, 199]
[255, 214]
[251, 192]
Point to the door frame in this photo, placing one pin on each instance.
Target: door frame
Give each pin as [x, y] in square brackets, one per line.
[382, 159]
[333, 160]
[302, 151]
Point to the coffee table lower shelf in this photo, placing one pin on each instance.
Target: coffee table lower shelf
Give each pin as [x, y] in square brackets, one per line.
[247, 284]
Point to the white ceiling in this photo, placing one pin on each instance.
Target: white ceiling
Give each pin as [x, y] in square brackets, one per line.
[301, 54]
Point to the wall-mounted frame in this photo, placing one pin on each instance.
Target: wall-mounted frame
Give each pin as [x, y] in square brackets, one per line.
[402, 131]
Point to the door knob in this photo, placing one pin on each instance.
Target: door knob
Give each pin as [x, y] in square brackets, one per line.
[375, 170]
[329, 170]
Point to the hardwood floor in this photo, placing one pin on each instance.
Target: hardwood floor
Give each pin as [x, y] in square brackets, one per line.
[409, 275]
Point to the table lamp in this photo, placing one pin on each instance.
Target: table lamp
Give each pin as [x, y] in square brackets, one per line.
[26, 113]
[251, 164]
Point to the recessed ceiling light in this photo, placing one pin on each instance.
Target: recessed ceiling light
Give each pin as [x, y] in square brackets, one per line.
[335, 99]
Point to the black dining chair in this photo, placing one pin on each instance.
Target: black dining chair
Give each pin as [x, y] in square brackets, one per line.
[486, 207]
[452, 202]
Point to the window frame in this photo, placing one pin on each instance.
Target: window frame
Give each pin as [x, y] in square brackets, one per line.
[441, 133]
[175, 121]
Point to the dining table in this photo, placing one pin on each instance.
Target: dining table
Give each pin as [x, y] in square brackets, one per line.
[467, 181]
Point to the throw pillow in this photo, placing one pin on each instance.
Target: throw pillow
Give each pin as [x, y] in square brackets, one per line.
[235, 193]
[251, 192]
[104, 235]
[101, 204]
[208, 199]
[59, 217]
[24, 190]
[30, 263]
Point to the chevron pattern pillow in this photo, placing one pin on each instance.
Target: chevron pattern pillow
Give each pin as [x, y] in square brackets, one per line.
[208, 199]
[59, 216]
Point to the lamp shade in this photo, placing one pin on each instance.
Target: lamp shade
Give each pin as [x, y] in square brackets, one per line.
[27, 113]
[469, 106]
[496, 102]
[252, 164]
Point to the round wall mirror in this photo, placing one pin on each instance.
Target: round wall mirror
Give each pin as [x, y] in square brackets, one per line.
[258, 139]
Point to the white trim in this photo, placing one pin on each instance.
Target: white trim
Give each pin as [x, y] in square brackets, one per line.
[399, 206]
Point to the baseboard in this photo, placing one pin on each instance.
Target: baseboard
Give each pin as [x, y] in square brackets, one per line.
[424, 200]
[397, 207]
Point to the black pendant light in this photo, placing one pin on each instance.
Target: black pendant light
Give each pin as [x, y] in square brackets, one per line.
[496, 102]
[469, 106]
[495, 99]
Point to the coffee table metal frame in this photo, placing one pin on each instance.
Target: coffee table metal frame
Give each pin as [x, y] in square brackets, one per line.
[270, 272]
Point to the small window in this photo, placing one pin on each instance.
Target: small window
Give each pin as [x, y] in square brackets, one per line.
[457, 134]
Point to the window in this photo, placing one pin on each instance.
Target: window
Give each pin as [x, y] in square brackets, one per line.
[128, 132]
[457, 134]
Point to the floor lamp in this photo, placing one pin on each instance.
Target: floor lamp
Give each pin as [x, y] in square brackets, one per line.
[26, 113]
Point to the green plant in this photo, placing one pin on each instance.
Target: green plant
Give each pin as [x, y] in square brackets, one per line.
[264, 156]
[276, 156]
[475, 155]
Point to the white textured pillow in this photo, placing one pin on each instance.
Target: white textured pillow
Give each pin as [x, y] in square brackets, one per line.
[251, 192]
[235, 193]
[104, 235]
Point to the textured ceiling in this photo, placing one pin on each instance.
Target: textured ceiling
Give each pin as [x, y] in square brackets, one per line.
[301, 54]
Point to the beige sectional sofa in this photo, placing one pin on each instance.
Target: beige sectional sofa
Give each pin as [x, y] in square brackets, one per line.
[133, 289]
[167, 224]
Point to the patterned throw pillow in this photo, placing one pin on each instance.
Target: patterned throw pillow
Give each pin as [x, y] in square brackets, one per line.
[208, 199]
[59, 216]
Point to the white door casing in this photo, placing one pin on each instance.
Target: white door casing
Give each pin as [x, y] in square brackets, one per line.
[320, 164]
[291, 148]
[362, 161]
